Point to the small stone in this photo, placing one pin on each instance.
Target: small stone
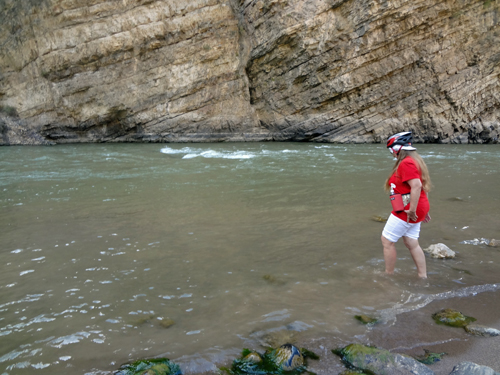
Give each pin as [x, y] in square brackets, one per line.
[440, 251]
[365, 319]
[166, 323]
[494, 243]
[479, 330]
[253, 357]
[269, 278]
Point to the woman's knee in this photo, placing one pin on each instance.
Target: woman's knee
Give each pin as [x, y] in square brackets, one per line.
[410, 243]
[385, 241]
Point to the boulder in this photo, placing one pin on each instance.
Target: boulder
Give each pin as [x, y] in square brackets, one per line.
[479, 330]
[440, 251]
[380, 361]
[469, 368]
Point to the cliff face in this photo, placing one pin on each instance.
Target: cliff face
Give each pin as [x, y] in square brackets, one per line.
[214, 70]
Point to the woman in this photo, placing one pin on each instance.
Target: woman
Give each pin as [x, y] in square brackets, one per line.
[409, 176]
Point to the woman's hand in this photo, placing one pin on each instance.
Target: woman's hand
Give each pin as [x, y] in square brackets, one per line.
[416, 188]
[427, 218]
[411, 215]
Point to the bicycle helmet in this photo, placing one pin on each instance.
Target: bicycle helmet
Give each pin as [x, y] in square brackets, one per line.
[400, 141]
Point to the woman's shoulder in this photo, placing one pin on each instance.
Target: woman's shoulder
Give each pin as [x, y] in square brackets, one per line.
[409, 160]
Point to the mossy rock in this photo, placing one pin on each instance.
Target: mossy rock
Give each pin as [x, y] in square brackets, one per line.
[429, 358]
[452, 318]
[380, 218]
[366, 319]
[287, 359]
[153, 366]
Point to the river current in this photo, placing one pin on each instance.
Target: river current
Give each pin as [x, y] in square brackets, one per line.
[117, 252]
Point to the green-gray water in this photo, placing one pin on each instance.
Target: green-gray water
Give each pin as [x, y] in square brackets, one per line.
[230, 241]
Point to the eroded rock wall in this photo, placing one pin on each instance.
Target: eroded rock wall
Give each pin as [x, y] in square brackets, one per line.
[80, 70]
[360, 70]
[217, 70]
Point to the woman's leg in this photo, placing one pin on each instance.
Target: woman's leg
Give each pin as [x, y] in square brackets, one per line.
[389, 255]
[418, 256]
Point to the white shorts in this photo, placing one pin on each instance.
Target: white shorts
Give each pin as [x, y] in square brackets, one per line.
[395, 228]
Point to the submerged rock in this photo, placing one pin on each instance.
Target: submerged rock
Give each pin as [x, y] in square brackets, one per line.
[479, 330]
[469, 368]
[429, 358]
[380, 218]
[153, 366]
[440, 251]
[285, 359]
[452, 318]
[166, 322]
[380, 361]
[366, 319]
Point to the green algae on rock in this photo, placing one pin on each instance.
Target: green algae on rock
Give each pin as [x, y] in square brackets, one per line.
[153, 366]
[380, 218]
[287, 359]
[374, 360]
[452, 318]
[429, 358]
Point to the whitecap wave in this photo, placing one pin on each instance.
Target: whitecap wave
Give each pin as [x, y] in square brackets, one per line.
[192, 152]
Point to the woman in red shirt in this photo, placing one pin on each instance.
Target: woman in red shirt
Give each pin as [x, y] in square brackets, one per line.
[410, 178]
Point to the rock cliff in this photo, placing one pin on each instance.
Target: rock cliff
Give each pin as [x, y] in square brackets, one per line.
[243, 70]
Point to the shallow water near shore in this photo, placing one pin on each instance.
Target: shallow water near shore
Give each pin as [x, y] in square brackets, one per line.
[239, 244]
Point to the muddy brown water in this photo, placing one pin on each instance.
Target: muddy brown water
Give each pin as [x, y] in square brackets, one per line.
[240, 245]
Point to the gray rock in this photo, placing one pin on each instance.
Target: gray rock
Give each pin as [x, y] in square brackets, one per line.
[494, 243]
[469, 368]
[440, 251]
[381, 361]
[479, 330]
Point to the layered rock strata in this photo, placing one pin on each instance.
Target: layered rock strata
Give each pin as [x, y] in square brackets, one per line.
[217, 70]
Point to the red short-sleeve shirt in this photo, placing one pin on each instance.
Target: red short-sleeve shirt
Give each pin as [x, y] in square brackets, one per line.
[407, 170]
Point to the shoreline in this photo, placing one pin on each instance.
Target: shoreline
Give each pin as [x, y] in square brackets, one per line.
[415, 331]
[410, 334]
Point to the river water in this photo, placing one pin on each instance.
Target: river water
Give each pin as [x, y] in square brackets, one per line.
[104, 246]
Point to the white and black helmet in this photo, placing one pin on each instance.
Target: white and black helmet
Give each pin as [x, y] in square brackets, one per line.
[400, 141]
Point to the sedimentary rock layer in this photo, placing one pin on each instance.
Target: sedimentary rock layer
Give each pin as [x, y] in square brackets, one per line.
[217, 70]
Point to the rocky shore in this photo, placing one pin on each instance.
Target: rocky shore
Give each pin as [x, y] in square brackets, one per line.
[415, 331]
[412, 345]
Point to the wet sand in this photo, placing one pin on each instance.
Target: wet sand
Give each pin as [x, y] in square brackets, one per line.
[415, 331]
